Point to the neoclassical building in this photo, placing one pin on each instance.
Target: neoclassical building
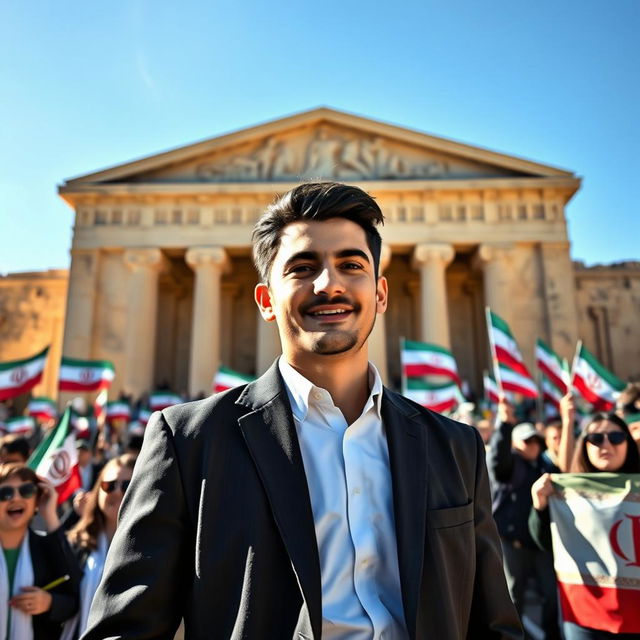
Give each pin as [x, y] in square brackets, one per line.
[161, 280]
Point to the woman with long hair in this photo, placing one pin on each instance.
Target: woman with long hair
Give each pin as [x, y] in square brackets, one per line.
[32, 605]
[92, 535]
[605, 445]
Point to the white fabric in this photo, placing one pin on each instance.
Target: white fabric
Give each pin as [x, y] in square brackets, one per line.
[349, 478]
[21, 628]
[91, 576]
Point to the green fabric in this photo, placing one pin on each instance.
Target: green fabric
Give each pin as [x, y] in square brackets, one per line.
[11, 560]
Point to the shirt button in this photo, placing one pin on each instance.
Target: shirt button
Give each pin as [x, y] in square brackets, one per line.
[357, 491]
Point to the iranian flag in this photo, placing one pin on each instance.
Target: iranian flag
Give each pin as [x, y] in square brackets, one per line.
[160, 400]
[42, 408]
[19, 376]
[551, 366]
[56, 458]
[437, 397]
[425, 359]
[118, 410]
[20, 426]
[227, 379]
[550, 393]
[504, 346]
[595, 384]
[85, 375]
[595, 529]
[511, 380]
[491, 391]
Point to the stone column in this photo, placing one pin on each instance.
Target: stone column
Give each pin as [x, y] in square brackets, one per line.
[208, 263]
[378, 337]
[140, 343]
[494, 261]
[432, 260]
[81, 302]
[268, 344]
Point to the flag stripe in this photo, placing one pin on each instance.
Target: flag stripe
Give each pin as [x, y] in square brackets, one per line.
[7, 366]
[12, 392]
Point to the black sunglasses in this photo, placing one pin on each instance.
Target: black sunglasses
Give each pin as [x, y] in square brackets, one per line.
[26, 490]
[109, 486]
[614, 437]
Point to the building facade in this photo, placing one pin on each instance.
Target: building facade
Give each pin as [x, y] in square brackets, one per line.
[161, 280]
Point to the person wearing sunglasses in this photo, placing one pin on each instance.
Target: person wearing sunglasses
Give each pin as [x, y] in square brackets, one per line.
[92, 536]
[605, 445]
[30, 561]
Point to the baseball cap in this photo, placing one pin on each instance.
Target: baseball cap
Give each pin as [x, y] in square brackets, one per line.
[524, 431]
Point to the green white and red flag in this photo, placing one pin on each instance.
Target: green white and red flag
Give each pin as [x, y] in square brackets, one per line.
[491, 391]
[20, 426]
[550, 364]
[551, 395]
[437, 397]
[514, 381]
[228, 379]
[595, 529]
[85, 375]
[160, 400]
[42, 408]
[426, 359]
[596, 385]
[504, 346]
[56, 458]
[118, 410]
[18, 376]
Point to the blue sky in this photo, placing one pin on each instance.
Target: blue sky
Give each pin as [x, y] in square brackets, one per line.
[89, 85]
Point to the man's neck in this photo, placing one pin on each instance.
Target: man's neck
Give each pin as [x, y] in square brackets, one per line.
[345, 378]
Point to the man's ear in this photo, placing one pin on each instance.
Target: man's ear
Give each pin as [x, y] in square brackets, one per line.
[262, 297]
[382, 294]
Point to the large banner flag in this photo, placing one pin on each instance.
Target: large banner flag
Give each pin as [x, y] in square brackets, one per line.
[595, 529]
[160, 400]
[424, 359]
[227, 379]
[42, 408]
[20, 426]
[56, 458]
[85, 375]
[550, 364]
[437, 397]
[514, 381]
[19, 376]
[595, 384]
[504, 345]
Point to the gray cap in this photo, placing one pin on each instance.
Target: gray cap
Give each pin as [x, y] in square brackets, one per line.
[524, 431]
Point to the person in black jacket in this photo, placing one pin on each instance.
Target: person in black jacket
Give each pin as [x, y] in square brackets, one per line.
[515, 462]
[30, 605]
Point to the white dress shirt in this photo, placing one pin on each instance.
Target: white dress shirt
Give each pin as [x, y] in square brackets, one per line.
[349, 478]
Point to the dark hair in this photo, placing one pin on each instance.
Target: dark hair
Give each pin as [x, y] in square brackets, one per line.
[15, 444]
[92, 522]
[9, 470]
[629, 399]
[581, 462]
[317, 201]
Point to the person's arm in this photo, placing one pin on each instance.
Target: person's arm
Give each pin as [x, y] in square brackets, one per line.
[567, 433]
[539, 520]
[145, 580]
[499, 455]
[493, 614]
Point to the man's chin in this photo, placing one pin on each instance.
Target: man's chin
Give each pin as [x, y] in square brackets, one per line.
[331, 344]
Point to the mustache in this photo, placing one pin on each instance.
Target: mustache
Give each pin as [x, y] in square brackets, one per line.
[320, 300]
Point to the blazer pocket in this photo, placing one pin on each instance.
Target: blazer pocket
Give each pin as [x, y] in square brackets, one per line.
[450, 517]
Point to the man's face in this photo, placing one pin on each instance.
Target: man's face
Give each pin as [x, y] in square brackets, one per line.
[552, 438]
[322, 292]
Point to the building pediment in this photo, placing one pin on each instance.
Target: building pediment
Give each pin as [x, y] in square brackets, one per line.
[319, 144]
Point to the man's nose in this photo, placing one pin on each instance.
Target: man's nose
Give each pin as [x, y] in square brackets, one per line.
[328, 281]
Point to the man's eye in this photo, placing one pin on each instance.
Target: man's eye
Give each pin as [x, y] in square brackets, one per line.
[351, 265]
[300, 268]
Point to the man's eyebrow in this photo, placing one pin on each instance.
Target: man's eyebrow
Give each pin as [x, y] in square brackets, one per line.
[301, 255]
[350, 253]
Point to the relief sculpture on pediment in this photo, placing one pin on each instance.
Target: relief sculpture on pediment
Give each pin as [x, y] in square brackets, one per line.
[327, 154]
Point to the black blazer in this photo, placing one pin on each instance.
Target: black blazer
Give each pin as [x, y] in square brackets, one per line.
[52, 558]
[217, 527]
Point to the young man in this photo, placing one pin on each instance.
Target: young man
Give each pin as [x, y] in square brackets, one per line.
[312, 502]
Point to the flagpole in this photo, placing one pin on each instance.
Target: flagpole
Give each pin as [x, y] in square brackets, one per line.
[540, 398]
[492, 346]
[573, 365]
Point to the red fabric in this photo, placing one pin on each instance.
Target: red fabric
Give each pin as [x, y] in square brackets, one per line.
[607, 608]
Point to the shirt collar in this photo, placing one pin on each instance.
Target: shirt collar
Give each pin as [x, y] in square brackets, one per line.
[299, 390]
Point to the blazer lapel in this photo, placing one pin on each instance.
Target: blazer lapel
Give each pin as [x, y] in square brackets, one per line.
[407, 441]
[271, 437]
